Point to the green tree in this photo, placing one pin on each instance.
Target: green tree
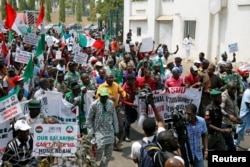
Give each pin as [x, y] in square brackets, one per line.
[62, 11]
[73, 5]
[47, 10]
[92, 14]
[13, 4]
[22, 5]
[31, 4]
[104, 7]
[3, 11]
[79, 10]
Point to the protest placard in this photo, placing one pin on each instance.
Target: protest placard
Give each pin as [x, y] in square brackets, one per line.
[174, 99]
[80, 58]
[5, 136]
[30, 39]
[49, 41]
[147, 44]
[58, 54]
[9, 106]
[127, 48]
[23, 57]
[233, 47]
[55, 140]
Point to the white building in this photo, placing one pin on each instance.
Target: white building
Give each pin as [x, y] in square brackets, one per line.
[212, 24]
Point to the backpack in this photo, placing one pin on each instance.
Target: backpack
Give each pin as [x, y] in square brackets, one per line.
[147, 153]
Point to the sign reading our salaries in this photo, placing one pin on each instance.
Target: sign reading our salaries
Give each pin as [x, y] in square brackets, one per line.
[55, 140]
[23, 57]
[80, 58]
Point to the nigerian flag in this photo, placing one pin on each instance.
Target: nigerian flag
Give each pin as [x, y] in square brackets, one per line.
[41, 46]
[28, 71]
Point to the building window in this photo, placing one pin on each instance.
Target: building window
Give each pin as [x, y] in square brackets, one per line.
[138, 31]
[189, 28]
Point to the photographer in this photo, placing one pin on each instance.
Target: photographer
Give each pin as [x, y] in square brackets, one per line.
[149, 128]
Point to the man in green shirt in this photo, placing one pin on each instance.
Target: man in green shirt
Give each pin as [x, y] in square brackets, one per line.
[75, 97]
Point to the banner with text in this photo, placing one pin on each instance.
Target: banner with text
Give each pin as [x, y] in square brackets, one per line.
[5, 136]
[55, 140]
[23, 57]
[30, 39]
[174, 99]
[9, 106]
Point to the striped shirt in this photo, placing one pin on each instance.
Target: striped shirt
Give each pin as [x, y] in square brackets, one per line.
[17, 153]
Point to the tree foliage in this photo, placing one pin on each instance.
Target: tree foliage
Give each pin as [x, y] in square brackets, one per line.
[47, 11]
[3, 11]
[78, 10]
[13, 4]
[103, 7]
[31, 4]
[92, 14]
[62, 11]
[22, 5]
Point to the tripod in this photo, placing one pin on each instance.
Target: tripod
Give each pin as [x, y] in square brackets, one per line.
[183, 140]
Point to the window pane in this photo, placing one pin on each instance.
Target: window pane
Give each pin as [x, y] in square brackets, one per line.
[189, 28]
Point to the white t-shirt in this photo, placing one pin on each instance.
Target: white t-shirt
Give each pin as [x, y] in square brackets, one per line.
[136, 146]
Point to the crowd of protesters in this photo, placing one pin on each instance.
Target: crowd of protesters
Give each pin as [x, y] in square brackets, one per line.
[117, 75]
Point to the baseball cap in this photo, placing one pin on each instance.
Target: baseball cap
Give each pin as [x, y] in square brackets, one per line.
[215, 92]
[21, 125]
[103, 92]
[98, 63]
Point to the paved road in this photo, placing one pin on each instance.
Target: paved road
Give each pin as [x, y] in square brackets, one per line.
[122, 159]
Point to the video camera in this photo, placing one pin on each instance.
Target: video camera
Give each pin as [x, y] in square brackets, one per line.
[179, 121]
[145, 94]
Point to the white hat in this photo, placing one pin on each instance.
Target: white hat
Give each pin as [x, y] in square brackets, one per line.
[131, 44]
[21, 125]
[197, 61]
[194, 68]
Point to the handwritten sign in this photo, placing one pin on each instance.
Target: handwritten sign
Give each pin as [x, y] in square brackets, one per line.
[30, 39]
[80, 58]
[23, 57]
[55, 140]
[233, 47]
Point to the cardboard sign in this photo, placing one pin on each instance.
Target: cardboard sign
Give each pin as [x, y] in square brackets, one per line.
[55, 140]
[147, 44]
[5, 136]
[49, 41]
[30, 39]
[58, 54]
[9, 107]
[127, 48]
[233, 47]
[80, 58]
[23, 57]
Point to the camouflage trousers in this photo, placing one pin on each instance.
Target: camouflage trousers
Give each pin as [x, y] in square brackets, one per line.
[104, 153]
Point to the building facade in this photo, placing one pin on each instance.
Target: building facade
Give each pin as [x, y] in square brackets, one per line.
[212, 24]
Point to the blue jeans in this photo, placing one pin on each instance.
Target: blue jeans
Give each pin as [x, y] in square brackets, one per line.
[198, 163]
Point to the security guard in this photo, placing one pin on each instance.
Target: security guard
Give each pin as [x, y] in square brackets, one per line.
[213, 117]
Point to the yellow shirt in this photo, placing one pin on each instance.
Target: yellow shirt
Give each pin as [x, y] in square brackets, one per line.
[114, 90]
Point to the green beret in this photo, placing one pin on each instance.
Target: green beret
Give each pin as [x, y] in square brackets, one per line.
[34, 104]
[215, 92]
